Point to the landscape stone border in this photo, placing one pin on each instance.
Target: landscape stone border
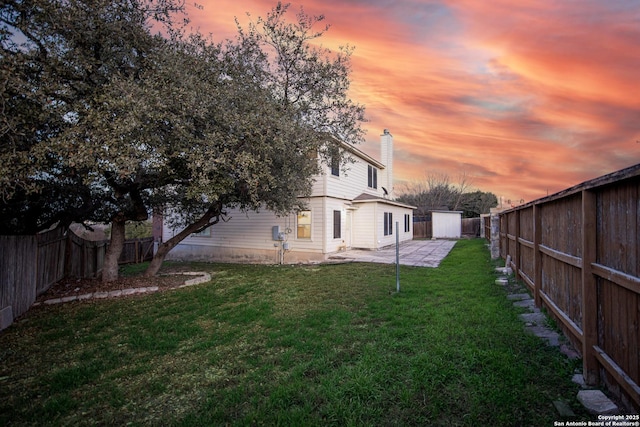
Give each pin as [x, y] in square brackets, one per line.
[594, 401]
[202, 278]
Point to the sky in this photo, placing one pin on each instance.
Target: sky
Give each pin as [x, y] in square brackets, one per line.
[524, 98]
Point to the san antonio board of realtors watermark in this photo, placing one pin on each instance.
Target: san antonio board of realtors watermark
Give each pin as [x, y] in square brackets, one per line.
[603, 421]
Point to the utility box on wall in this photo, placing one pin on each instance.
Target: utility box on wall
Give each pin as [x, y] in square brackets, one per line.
[446, 224]
[276, 233]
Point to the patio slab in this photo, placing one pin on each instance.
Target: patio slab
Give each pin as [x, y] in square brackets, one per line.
[416, 253]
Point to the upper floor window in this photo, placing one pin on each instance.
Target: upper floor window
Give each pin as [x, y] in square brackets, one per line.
[304, 225]
[335, 165]
[372, 177]
[203, 233]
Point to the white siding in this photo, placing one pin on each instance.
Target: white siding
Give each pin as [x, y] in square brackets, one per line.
[351, 183]
[252, 231]
[335, 244]
[397, 213]
[364, 226]
[369, 219]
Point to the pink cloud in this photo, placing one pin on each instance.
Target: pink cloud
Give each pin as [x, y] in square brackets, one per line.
[528, 97]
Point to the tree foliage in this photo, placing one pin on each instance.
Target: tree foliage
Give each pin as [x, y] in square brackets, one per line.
[104, 120]
[58, 59]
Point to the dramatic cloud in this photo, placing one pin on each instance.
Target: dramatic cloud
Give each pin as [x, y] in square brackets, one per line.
[526, 98]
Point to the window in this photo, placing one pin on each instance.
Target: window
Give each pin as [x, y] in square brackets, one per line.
[337, 222]
[373, 177]
[388, 223]
[335, 165]
[204, 233]
[304, 225]
[406, 223]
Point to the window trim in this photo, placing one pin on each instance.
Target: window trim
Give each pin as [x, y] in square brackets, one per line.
[388, 223]
[372, 177]
[337, 224]
[305, 225]
[335, 165]
[204, 233]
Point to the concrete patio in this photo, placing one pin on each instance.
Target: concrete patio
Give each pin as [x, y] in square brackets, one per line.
[416, 253]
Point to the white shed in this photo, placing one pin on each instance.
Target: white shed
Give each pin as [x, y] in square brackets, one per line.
[446, 224]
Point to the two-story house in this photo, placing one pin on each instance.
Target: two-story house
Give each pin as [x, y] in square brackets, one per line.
[352, 209]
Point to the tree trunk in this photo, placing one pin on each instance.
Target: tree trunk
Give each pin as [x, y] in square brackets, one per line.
[165, 247]
[110, 267]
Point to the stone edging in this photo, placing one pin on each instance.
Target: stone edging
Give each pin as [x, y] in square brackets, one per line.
[202, 278]
[594, 401]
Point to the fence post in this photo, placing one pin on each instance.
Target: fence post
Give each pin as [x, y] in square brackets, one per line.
[537, 255]
[516, 255]
[589, 292]
[495, 235]
[68, 250]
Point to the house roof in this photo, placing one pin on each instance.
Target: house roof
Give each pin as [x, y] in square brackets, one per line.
[369, 198]
[356, 151]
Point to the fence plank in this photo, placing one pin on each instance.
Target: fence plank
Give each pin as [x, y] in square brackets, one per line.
[421, 230]
[589, 292]
[537, 255]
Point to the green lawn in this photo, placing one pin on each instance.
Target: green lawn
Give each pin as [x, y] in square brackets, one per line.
[290, 345]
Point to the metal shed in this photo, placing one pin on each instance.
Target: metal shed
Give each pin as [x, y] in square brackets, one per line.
[446, 224]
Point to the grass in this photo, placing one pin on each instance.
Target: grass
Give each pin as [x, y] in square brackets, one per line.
[289, 345]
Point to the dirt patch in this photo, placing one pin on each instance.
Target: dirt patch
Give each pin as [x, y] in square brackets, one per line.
[71, 287]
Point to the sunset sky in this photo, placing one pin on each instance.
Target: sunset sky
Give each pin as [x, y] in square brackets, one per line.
[525, 97]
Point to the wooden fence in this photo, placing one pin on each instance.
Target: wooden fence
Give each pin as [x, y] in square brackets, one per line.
[486, 227]
[29, 265]
[424, 229]
[471, 227]
[577, 251]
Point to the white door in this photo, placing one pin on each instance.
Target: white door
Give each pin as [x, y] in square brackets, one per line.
[347, 231]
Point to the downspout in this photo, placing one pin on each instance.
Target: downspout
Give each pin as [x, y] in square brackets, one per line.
[325, 218]
[375, 226]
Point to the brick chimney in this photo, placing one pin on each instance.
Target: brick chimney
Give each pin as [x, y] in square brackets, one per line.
[386, 158]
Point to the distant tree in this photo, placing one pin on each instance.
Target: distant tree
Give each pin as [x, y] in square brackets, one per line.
[435, 192]
[477, 202]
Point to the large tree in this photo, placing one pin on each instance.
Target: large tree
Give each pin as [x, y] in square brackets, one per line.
[105, 121]
[65, 65]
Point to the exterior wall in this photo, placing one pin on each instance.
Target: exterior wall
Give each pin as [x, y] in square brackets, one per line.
[365, 227]
[336, 244]
[351, 183]
[247, 236]
[397, 217]
[369, 220]
[447, 225]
